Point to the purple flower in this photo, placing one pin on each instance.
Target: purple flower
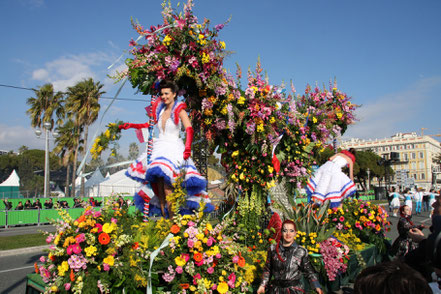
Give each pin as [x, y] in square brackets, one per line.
[219, 27]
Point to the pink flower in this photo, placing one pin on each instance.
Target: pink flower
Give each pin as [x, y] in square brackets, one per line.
[114, 220]
[214, 287]
[76, 248]
[195, 278]
[210, 270]
[179, 269]
[97, 214]
[231, 280]
[210, 241]
[42, 259]
[69, 250]
[80, 238]
[67, 286]
[190, 224]
[49, 239]
[186, 256]
[106, 267]
[190, 243]
[199, 263]
[99, 227]
[236, 259]
[218, 256]
[342, 219]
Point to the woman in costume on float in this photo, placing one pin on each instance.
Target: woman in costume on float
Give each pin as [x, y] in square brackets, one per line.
[330, 183]
[404, 243]
[285, 265]
[170, 157]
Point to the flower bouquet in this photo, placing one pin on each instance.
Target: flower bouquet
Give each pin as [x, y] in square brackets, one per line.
[92, 253]
[200, 258]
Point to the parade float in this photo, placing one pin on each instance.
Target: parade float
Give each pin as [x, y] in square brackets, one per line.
[265, 137]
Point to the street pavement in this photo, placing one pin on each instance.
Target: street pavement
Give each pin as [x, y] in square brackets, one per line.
[16, 264]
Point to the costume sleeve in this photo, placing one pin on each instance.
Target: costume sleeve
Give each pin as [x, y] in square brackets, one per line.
[309, 272]
[266, 276]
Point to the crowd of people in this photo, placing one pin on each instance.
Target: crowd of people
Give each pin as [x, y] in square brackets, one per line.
[49, 203]
[422, 199]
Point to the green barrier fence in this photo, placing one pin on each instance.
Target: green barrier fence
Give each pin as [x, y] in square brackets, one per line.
[39, 216]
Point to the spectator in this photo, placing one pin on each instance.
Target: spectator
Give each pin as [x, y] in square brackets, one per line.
[77, 203]
[8, 204]
[64, 204]
[391, 277]
[28, 204]
[19, 206]
[122, 203]
[48, 204]
[37, 204]
[92, 202]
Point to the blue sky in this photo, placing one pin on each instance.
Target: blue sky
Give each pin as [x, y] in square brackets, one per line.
[386, 54]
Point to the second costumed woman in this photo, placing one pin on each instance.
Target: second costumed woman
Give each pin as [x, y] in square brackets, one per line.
[170, 157]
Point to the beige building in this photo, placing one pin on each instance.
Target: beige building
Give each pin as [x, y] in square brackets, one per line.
[416, 156]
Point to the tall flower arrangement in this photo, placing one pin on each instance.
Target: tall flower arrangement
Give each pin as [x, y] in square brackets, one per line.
[181, 49]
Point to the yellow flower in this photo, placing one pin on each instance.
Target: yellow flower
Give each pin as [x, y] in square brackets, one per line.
[209, 227]
[205, 57]
[63, 268]
[241, 100]
[192, 288]
[180, 261]
[270, 169]
[235, 153]
[107, 133]
[222, 287]
[108, 228]
[272, 120]
[91, 250]
[222, 44]
[110, 260]
[167, 40]
[314, 120]
[54, 288]
[242, 176]
[201, 37]
[260, 128]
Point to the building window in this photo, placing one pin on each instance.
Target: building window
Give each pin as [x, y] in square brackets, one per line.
[394, 148]
[414, 176]
[405, 157]
[413, 155]
[423, 176]
[386, 148]
[401, 147]
[421, 155]
[414, 165]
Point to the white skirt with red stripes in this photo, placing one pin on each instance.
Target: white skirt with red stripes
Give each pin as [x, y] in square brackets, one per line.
[330, 183]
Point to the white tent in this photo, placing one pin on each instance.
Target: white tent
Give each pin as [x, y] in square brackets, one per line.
[117, 183]
[10, 187]
[12, 181]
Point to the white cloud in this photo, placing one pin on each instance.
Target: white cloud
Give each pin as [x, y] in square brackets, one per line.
[13, 137]
[66, 71]
[388, 114]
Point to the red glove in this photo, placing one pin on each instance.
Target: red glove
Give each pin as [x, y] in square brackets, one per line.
[126, 126]
[188, 141]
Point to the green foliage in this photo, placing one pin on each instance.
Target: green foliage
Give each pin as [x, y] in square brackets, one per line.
[309, 219]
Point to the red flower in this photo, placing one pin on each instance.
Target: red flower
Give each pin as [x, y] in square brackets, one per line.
[104, 238]
[135, 245]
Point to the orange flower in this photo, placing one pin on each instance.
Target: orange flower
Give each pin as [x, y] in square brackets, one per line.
[184, 286]
[175, 229]
[241, 262]
[135, 245]
[36, 268]
[197, 256]
[104, 238]
[81, 219]
[72, 275]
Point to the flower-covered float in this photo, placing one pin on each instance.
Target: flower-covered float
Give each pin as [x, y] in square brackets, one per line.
[265, 137]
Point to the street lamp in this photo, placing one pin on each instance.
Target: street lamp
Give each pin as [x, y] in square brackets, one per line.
[47, 126]
[369, 179]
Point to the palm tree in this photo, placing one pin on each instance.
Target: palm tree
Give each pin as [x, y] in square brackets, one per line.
[67, 143]
[43, 106]
[82, 105]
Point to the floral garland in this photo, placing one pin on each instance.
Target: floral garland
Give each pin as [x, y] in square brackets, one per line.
[335, 257]
[106, 138]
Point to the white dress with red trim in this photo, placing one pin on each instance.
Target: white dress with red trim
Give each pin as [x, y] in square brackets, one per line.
[329, 182]
[167, 162]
